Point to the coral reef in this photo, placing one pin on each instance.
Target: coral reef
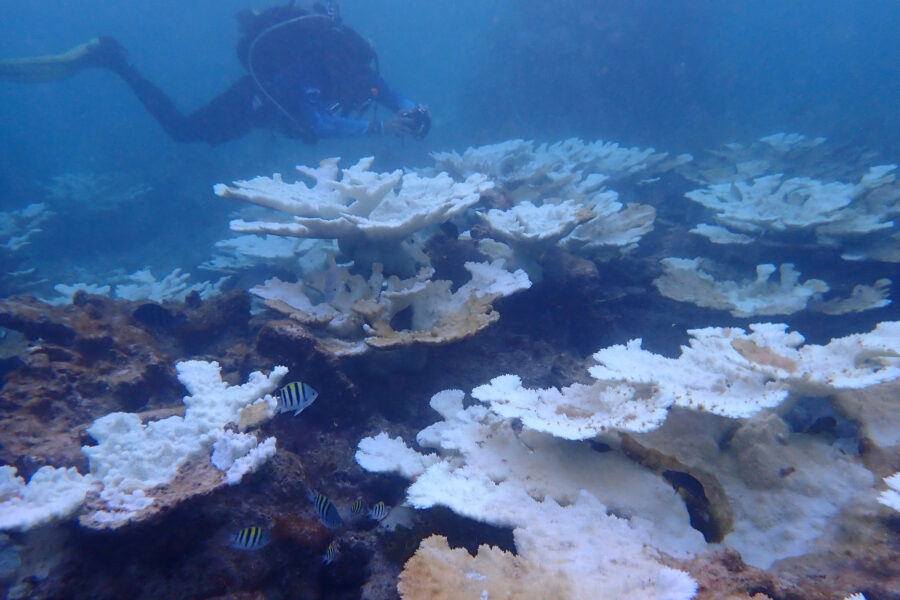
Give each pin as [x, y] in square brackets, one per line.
[748, 464]
[355, 205]
[547, 167]
[17, 227]
[356, 314]
[131, 460]
[686, 281]
[96, 356]
[831, 211]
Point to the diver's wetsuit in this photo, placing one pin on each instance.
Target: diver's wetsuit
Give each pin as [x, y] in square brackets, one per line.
[242, 107]
[310, 77]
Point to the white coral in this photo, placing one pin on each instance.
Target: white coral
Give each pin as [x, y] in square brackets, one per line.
[354, 313]
[487, 473]
[734, 373]
[891, 496]
[131, 457]
[686, 281]
[50, 494]
[832, 209]
[355, 203]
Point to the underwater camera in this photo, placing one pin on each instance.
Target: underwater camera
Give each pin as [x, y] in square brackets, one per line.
[421, 120]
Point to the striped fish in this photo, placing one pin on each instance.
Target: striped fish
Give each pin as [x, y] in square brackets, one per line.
[331, 553]
[357, 508]
[326, 510]
[379, 511]
[250, 538]
[296, 396]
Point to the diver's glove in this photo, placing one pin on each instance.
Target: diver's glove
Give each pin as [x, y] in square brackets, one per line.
[414, 122]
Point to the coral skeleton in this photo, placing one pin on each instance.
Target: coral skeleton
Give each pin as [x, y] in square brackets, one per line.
[891, 496]
[352, 314]
[516, 163]
[832, 210]
[355, 203]
[686, 280]
[50, 495]
[18, 226]
[142, 285]
[488, 474]
[133, 461]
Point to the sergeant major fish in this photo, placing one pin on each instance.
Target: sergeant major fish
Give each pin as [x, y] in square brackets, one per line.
[296, 396]
[331, 553]
[357, 508]
[325, 509]
[250, 538]
[379, 511]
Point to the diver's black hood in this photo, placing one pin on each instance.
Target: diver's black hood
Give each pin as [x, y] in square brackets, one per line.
[252, 23]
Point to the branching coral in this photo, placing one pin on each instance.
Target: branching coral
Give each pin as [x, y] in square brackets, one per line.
[725, 371]
[734, 373]
[16, 230]
[686, 281]
[550, 167]
[134, 463]
[833, 210]
[793, 154]
[492, 470]
[437, 572]
[354, 314]
[51, 494]
[355, 203]
[891, 496]
[142, 285]
[536, 485]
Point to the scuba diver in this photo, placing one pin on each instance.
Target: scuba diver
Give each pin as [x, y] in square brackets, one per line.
[308, 77]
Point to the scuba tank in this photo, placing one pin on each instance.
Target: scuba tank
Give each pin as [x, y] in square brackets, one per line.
[311, 40]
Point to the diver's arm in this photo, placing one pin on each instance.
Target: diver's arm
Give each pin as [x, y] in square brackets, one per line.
[327, 125]
[392, 99]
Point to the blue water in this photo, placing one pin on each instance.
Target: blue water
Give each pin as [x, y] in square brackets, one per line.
[677, 75]
[681, 76]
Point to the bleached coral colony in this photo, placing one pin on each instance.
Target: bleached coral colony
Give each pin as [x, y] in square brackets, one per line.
[696, 452]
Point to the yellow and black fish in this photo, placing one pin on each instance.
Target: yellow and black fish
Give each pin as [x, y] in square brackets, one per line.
[250, 538]
[326, 510]
[296, 396]
[379, 511]
[331, 553]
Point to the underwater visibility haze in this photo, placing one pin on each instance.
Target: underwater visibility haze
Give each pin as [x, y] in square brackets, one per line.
[507, 299]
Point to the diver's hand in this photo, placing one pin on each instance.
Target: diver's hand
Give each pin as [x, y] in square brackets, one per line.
[414, 122]
[399, 125]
